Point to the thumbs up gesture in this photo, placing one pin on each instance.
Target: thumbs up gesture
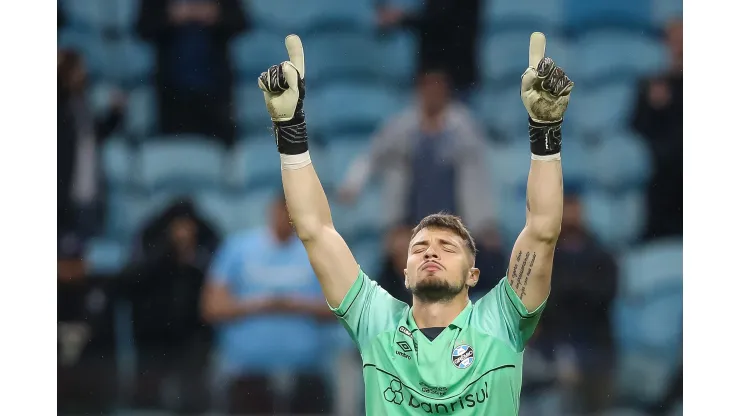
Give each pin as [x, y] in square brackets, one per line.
[284, 89]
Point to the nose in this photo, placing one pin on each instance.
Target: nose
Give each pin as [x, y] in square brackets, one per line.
[430, 253]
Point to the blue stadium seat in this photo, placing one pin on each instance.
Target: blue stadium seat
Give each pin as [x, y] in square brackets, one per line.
[141, 112]
[614, 56]
[181, 163]
[364, 217]
[530, 15]
[504, 55]
[331, 113]
[616, 219]
[90, 46]
[271, 15]
[121, 15]
[603, 109]
[99, 97]
[252, 209]
[254, 52]
[580, 15]
[401, 49]
[118, 161]
[349, 57]
[369, 255]
[338, 158]
[130, 61]
[104, 256]
[665, 10]
[250, 109]
[127, 212]
[86, 15]
[217, 208]
[621, 161]
[256, 164]
[505, 113]
[338, 15]
[648, 318]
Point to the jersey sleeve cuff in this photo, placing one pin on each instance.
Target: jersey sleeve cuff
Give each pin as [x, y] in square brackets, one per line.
[517, 302]
[351, 296]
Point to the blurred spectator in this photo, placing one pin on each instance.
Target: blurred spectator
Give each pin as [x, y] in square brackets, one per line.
[577, 321]
[658, 117]
[432, 157]
[79, 134]
[491, 259]
[171, 341]
[194, 77]
[86, 354]
[448, 37]
[267, 305]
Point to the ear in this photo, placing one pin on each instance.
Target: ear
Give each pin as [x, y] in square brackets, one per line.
[406, 278]
[473, 276]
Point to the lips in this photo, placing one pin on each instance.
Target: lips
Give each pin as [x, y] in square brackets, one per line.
[431, 265]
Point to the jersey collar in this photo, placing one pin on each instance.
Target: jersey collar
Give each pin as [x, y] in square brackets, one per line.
[460, 322]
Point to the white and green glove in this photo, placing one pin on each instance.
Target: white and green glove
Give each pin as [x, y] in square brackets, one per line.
[284, 89]
[545, 94]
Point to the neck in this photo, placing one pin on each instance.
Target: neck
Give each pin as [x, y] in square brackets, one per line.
[438, 314]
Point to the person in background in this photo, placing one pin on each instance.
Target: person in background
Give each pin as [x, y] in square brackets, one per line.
[448, 36]
[432, 157]
[194, 76]
[268, 310]
[172, 342]
[577, 324]
[658, 118]
[79, 134]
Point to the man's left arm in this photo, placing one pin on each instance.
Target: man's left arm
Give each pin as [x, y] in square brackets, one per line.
[545, 93]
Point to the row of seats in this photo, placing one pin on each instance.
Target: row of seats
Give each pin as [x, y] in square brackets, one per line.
[620, 162]
[602, 108]
[334, 15]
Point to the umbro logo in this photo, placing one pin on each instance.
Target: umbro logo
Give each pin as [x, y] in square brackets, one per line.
[405, 347]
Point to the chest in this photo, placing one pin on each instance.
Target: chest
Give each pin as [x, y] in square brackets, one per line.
[272, 272]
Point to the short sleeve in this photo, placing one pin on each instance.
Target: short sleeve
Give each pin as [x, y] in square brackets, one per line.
[501, 313]
[223, 264]
[368, 310]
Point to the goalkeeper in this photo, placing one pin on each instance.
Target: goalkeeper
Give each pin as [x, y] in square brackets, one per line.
[443, 355]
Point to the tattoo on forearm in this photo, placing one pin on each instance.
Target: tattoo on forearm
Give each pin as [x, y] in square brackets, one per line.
[522, 263]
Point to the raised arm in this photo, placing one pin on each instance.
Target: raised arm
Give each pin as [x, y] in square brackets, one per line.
[284, 90]
[545, 93]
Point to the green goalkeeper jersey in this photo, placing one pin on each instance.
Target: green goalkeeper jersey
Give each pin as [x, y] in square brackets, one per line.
[473, 367]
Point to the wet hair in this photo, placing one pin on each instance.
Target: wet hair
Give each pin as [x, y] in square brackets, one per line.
[447, 222]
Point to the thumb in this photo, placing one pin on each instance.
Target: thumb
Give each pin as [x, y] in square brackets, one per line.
[295, 52]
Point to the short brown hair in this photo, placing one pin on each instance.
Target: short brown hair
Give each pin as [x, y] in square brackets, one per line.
[448, 222]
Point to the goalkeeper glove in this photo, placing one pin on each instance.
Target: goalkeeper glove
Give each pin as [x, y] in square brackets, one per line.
[545, 93]
[284, 89]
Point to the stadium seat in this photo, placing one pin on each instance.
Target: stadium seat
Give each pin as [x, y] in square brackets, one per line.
[254, 52]
[251, 112]
[90, 46]
[580, 15]
[104, 256]
[336, 109]
[350, 57]
[339, 156]
[616, 219]
[218, 209]
[130, 61]
[256, 163]
[400, 48]
[141, 112]
[271, 15]
[251, 209]
[615, 56]
[665, 10]
[369, 255]
[648, 318]
[88, 15]
[364, 217]
[181, 163]
[118, 162]
[505, 117]
[621, 161]
[99, 98]
[122, 15]
[603, 109]
[504, 56]
[128, 211]
[332, 16]
[529, 15]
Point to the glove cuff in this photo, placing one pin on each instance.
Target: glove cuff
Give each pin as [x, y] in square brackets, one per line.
[291, 136]
[545, 138]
